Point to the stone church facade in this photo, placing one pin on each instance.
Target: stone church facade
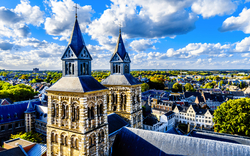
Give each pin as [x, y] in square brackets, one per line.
[78, 105]
[77, 116]
[124, 96]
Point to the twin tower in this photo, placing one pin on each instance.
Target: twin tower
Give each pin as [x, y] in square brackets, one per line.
[78, 105]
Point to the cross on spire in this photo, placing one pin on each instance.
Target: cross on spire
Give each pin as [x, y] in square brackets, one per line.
[76, 9]
[120, 25]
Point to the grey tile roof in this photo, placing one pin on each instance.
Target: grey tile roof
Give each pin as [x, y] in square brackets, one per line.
[137, 142]
[117, 79]
[221, 137]
[82, 84]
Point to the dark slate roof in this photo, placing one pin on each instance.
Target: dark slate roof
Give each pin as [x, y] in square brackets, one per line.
[221, 137]
[137, 142]
[188, 94]
[30, 108]
[169, 113]
[238, 93]
[84, 83]
[172, 130]
[120, 48]
[117, 79]
[150, 121]
[17, 151]
[76, 41]
[13, 109]
[115, 123]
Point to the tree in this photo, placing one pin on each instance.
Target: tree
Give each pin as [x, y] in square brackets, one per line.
[24, 77]
[30, 136]
[233, 117]
[177, 87]
[189, 87]
[144, 87]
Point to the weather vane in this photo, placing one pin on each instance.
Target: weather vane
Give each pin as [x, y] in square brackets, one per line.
[76, 9]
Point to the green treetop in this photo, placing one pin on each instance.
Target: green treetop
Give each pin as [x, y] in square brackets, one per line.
[233, 117]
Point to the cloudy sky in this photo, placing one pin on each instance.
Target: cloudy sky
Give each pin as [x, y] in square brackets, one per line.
[158, 34]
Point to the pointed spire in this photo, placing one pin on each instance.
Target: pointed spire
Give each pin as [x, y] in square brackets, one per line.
[30, 108]
[120, 48]
[76, 41]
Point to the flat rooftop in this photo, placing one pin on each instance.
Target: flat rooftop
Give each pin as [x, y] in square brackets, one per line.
[19, 141]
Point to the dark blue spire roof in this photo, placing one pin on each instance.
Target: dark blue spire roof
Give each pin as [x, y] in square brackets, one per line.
[76, 41]
[30, 108]
[120, 48]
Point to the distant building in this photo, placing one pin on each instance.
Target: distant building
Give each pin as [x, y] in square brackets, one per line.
[35, 70]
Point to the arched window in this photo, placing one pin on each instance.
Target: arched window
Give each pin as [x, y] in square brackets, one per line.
[98, 110]
[65, 141]
[73, 68]
[84, 69]
[77, 113]
[119, 69]
[57, 110]
[56, 138]
[72, 142]
[113, 68]
[92, 112]
[73, 113]
[81, 69]
[89, 113]
[138, 98]
[63, 111]
[126, 70]
[53, 110]
[66, 68]
[62, 140]
[69, 68]
[101, 109]
[67, 112]
[52, 137]
[76, 144]
[87, 69]
[116, 68]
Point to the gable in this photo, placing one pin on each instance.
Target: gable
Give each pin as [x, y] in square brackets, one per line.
[69, 54]
[85, 54]
[116, 58]
[127, 59]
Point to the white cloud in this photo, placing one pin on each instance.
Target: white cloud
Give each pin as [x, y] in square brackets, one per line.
[63, 17]
[243, 45]
[32, 15]
[241, 23]
[210, 8]
[14, 22]
[142, 45]
[145, 19]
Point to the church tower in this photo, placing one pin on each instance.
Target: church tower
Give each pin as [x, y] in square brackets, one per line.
[29, 118]
[77, 109]
[124, 96]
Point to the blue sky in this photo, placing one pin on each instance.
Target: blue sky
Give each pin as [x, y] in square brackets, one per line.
[162, 34]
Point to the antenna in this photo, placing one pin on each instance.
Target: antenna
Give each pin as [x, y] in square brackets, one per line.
[76, 9]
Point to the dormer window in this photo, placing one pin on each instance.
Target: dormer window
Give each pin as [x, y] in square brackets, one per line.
[1, 117]
[9, 116]
[15, 115]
